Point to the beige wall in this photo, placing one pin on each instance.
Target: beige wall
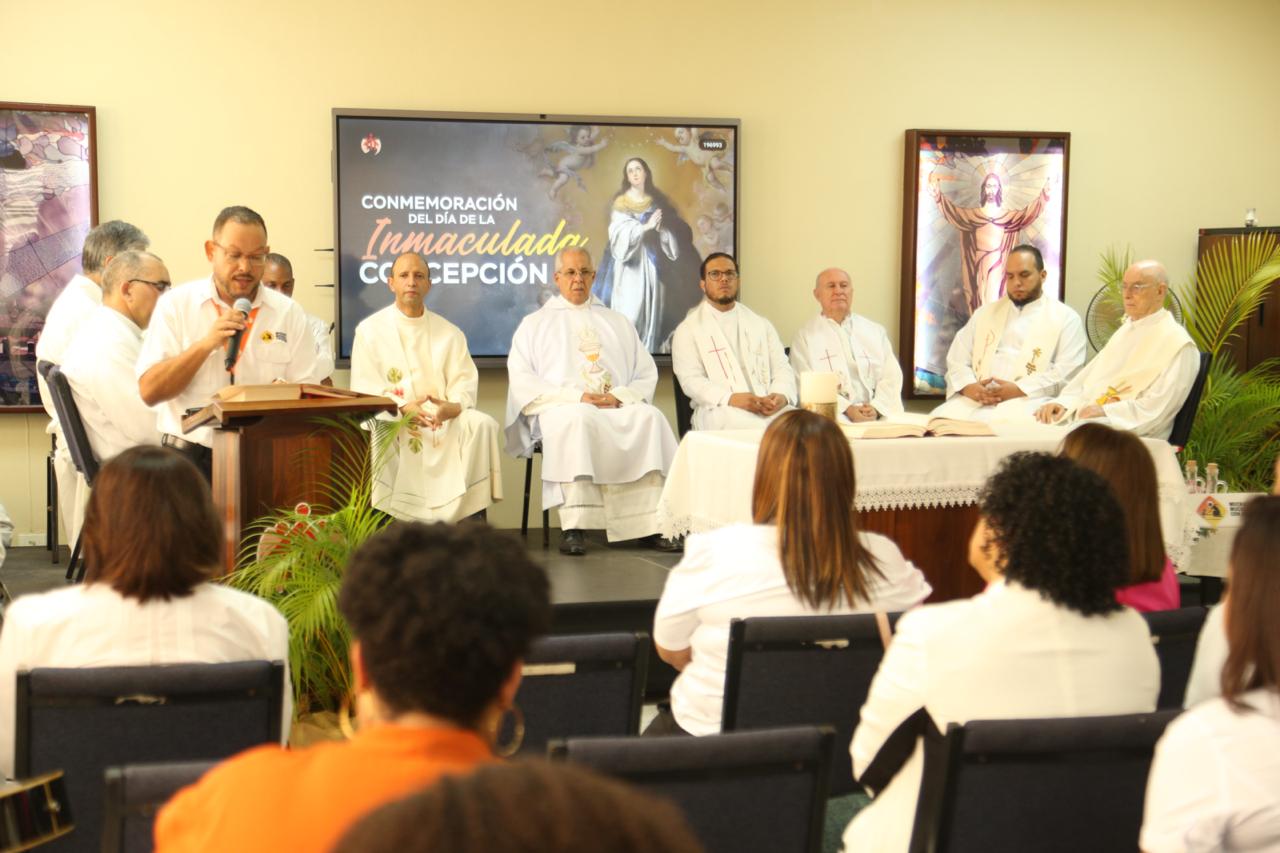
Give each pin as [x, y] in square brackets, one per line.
[1170, 106]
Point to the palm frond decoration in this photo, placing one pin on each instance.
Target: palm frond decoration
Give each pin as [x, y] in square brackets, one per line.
[1229, 284]
[295, 559]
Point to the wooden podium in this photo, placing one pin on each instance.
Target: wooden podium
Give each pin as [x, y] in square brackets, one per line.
[270, 454]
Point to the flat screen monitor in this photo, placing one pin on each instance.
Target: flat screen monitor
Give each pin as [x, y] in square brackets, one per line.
[489, 200]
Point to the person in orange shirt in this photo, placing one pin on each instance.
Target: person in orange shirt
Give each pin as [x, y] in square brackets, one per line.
[441, 617]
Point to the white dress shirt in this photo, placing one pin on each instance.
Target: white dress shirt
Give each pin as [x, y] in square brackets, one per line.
[1215, 779]
[734, 573]
[91, 625]
[99, 367]
[280, 347]
[77, 301]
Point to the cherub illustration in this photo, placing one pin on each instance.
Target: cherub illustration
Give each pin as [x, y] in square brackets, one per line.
[580, 153]
[688, 148]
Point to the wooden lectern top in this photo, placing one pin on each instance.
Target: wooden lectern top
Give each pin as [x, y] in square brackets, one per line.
[237, 402]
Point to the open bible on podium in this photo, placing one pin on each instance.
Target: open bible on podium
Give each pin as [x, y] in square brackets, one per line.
[274, 447]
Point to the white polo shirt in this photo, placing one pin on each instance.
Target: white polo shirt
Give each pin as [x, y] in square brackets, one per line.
[280, 347]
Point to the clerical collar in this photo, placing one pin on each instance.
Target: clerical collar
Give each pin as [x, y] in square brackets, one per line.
[405, 318]
[583, 307]
[1140, 320]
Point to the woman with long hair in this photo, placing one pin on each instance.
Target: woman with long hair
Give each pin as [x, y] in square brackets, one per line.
[441, 617]
[1120, 458]
[649, 272]
[1215, 779]
[803, 554]
[152, 544]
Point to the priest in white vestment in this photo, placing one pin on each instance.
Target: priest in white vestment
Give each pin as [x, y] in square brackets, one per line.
[582, 383]
[854, 348]
[99, 365]
[1015, 353]
[81, 296]
[729, 360]
[277, 275]
[1143, 375]
[444, 465]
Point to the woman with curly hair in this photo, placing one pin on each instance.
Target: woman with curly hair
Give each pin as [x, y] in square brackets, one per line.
[1215, 780]
[1045, 639]
[803, 555]
[440, 619]
[1120, 458]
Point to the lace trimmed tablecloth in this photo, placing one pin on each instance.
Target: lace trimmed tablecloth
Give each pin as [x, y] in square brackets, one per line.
[709, 484]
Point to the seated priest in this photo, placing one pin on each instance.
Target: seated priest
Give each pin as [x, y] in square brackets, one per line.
[99, 364]
[1144, 373]
[1014, 353]
[729, 360]
[581, 383]
[854, 348]
[444, 462]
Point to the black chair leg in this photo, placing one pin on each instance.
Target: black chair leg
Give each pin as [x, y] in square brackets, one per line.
[524, 517]
[71, 564]
[546, 528]
[51, 507]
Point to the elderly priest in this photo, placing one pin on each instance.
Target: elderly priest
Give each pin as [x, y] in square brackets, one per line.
[444, 464]
[1144, 373]
[581, 383]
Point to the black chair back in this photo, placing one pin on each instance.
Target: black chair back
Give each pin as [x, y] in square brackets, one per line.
[69, 420]
[135, 794]
[764, 790]
[1050, 785]
[1175, 634]
[82, 721]
[1186, 417]
[582, 685]
[684, 408]
[803, 670]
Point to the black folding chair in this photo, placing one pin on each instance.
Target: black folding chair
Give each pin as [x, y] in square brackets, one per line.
[684, 408]
[1048, 785]
[745, 791]
[77, 443]
[134, 795]
[82, 721]
[1186, 417]
[546, 513]
[582, 685]
[1175, 634]
[803, 670]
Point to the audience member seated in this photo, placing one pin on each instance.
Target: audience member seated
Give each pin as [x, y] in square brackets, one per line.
[1122, 460]
[1047, 637]
[440, 618]
[803, 555]
[524, 807]
[1215, 779]
[152, 542]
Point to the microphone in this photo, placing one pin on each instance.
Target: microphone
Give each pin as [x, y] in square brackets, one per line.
[244, 306]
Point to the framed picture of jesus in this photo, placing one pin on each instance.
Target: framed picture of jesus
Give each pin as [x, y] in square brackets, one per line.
[969, 197]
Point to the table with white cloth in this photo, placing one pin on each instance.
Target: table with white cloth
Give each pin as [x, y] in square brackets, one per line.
[921, 492]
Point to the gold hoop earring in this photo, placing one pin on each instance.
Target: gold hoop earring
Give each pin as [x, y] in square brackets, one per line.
[345, 724]
[517, 737]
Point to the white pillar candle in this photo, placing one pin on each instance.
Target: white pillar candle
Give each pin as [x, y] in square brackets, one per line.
[818, 387]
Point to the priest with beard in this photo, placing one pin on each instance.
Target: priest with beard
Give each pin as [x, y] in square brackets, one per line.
[1014, 353]
[581, 383]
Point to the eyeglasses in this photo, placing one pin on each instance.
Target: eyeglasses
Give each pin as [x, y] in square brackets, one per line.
[722, 275]
[1135, 288]
[256, 259]
[160, 286]
[582, 273]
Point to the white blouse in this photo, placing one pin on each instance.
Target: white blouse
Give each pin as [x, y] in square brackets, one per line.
[735, 573]
[1215, 780]
[92, 625]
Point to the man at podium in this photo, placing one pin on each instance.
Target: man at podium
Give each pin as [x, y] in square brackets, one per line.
[199, 342]
[444, 465]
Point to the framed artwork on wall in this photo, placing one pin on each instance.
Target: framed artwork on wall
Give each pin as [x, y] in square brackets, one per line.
[970, 196]
[48, 203]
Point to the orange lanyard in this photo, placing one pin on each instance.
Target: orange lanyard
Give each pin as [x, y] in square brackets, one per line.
[244, 338]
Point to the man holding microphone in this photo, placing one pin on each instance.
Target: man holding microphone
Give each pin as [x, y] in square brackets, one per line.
[221, 330]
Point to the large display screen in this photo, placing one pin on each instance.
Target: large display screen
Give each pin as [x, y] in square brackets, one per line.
[490, 200]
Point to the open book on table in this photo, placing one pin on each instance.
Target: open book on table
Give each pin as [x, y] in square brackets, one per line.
[907, 425]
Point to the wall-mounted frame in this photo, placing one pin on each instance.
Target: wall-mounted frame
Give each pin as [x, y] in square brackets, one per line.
[969, 196]
[48, 203]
